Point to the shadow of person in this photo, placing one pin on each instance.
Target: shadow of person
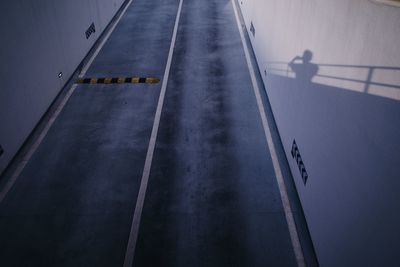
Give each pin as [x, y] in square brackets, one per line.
[303, 68]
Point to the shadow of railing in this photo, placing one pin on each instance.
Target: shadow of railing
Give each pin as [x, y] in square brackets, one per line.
[373, 75]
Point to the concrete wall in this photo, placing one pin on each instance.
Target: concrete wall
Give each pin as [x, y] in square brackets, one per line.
[40, 39]
[343, 110]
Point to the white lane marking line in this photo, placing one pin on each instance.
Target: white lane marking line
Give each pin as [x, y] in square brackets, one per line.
[278, 173]
[130, 250]
[11, 181]
[87, 65]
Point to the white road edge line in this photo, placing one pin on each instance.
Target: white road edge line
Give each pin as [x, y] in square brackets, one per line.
[130, 250]
[11, 181]
[278, 173]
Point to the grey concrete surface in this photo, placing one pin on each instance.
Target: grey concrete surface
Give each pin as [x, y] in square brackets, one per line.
[212, 198]
[342, 108]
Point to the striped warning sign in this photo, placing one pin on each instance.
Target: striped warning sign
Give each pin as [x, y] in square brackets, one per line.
[296, 155]
[118, 80]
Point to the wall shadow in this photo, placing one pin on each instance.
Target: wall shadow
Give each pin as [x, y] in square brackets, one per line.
[303, 68]
[371, 79]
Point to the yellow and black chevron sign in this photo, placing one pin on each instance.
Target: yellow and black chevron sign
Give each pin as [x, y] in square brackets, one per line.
[118, 80]
[296, 155]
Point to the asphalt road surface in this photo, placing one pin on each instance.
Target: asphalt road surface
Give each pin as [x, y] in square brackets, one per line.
[212, 197]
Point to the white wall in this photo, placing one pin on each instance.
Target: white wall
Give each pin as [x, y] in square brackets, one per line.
[40, 39]
[346, 120]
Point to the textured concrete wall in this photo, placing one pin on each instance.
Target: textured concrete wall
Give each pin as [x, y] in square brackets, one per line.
[342, 106]
[40, 39]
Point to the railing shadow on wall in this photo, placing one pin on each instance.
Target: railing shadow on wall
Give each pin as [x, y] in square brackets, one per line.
[382, 81]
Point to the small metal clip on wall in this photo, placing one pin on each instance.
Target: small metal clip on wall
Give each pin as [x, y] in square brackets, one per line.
[252, 29]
